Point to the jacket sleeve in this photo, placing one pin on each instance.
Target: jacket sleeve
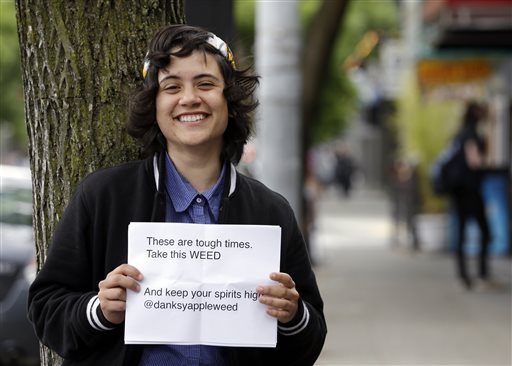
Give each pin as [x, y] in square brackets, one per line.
[301, 340]
[62, 303]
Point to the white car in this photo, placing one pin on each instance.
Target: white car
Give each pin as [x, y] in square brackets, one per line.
[18, 343]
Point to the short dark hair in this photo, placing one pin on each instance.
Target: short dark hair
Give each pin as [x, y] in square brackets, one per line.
[240, 86]
[475, 111]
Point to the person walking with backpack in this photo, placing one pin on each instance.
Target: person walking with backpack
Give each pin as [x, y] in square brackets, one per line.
[467, 197]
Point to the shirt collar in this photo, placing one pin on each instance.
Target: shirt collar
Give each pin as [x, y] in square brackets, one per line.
[182, 193]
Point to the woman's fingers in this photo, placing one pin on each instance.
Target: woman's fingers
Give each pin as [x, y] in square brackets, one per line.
[282, 298]
[112, 291]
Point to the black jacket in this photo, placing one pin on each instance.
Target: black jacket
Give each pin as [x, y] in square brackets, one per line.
[470, 178]
[91, 240]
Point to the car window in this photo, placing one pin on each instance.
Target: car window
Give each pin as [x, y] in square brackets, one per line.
[15, 196]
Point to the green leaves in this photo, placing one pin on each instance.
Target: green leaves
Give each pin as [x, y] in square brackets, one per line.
[11, 99]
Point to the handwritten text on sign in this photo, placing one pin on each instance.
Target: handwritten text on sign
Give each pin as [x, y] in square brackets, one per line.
[200, 284]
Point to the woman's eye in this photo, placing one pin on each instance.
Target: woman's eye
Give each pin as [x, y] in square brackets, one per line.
[171, 89]
[206, 85]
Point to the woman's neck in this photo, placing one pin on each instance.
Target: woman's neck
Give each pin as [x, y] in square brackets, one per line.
[201, 170]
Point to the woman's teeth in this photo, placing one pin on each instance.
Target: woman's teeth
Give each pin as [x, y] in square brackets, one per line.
[191, 117]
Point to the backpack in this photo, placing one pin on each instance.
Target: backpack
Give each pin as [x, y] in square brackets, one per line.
[446, 172]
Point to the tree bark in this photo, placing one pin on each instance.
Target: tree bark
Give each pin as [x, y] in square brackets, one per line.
[80, 60]
[317, 54]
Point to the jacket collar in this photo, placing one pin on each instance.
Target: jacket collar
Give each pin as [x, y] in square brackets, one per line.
[159, 164]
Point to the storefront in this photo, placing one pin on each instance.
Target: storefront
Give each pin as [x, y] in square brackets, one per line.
[468, 58]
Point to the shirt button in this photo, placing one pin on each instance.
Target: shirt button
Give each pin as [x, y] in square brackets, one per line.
[199, 200]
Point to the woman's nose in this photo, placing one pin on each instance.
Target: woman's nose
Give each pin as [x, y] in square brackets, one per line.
[189, 96]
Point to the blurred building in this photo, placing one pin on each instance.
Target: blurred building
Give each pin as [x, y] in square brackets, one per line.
[468, 54]
[484, 24]
[454, 51]
[458, 50]
[464, 53]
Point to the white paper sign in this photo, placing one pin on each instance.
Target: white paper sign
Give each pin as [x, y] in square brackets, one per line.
[200, 282]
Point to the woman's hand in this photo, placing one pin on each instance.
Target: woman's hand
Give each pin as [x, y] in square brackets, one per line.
[112, 294]
[282, 299]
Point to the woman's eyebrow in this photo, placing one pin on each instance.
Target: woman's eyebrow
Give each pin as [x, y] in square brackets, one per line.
[199, 76]
[174, 77]
[206, 75]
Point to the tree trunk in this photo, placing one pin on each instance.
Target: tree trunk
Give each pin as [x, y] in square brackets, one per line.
[80, 60]
[317, 54]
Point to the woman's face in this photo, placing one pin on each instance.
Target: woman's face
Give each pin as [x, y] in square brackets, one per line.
[191, 109]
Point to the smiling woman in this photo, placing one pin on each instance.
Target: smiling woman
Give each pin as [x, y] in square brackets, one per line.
[192, 116]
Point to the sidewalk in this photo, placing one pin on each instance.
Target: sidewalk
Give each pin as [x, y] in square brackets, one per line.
[389, 306]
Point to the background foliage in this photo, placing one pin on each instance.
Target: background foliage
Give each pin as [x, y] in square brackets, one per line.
[11, 99]
[339, 96]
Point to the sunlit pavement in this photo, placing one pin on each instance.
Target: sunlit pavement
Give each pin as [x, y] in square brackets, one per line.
[390, 306]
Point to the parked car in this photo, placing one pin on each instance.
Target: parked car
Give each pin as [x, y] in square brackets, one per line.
[18, 343]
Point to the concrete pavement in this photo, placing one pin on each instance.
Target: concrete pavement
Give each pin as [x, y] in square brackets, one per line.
[388, 306]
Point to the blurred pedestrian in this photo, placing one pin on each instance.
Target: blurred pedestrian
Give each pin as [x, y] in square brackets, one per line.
[312, 191]
[246, 164]
[406, 202]
[467, 197]
[344, 169]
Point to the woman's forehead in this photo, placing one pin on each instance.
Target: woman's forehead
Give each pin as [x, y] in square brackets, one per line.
[197, 62]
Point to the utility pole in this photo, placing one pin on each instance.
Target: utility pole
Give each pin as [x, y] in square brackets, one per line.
[278, 140]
